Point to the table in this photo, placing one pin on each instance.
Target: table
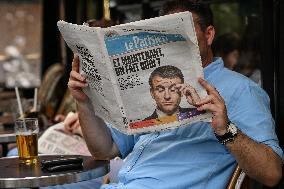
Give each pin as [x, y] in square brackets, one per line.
[16, 175]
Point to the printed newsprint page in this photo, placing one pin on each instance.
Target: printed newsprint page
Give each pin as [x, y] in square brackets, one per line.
[142, 76]
[55, 141]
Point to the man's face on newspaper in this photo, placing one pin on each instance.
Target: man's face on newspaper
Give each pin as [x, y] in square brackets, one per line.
[166, 94]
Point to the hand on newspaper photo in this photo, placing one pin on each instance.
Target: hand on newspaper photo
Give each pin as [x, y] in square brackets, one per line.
[189, 92]
[76, 81]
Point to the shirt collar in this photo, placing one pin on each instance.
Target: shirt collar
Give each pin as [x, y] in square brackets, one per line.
[216, 65]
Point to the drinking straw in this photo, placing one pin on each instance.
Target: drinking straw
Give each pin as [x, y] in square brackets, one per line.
[35, 100]
[20, 108]
[19, 102]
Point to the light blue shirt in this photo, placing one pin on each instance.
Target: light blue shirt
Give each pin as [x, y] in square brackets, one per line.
[190, 156]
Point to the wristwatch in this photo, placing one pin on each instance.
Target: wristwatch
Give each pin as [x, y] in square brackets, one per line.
[230, 135]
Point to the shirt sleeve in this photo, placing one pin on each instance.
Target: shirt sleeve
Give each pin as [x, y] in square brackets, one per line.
[124, 142]
[252, 116]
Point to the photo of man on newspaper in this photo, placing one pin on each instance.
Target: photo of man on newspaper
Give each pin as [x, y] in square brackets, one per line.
[167, 88]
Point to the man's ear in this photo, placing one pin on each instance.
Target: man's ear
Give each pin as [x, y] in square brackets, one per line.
[210, 34]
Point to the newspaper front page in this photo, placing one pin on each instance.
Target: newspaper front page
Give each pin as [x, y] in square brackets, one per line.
[142, 76]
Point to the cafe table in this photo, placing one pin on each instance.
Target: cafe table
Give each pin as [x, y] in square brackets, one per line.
[16, 175]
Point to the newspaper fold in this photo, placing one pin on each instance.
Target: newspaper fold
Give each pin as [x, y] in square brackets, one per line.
[118, 62]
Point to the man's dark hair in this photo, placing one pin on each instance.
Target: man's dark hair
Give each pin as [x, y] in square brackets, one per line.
[202, 10]
[166, 72]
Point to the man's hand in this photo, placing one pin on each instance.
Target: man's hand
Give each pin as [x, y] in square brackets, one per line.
[96, 133]
[214, 103]
[189, 92]
[77, 82]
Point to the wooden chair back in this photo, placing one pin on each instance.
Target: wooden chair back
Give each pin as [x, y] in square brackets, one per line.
[239, 180]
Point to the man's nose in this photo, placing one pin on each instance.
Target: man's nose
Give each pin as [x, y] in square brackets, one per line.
[167, 95]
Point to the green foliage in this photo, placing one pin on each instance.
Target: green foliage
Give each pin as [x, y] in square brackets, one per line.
[227, 18]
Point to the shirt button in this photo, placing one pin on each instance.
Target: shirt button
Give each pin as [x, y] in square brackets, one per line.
[141, 147]
[128, 168]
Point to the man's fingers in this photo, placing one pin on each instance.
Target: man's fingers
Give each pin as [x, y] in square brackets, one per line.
[179, 86]
[207, 99]
[191, 97]
[75, 63]
[209, 107]
[78, 95]
[209, 88]
[76, 84]
[76, 89]
[206, 85]
[195, 97]
[76, 76]
[77, 81]
[190, 100]
[189, 92]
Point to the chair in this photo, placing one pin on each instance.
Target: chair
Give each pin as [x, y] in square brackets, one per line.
[239, 180]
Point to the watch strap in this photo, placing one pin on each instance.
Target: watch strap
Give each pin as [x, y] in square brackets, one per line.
[229, 136]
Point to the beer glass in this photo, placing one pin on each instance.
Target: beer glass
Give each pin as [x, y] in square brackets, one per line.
[26, 130]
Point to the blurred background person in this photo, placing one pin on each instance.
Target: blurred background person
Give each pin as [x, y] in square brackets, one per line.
[250, 54]
[227, 46]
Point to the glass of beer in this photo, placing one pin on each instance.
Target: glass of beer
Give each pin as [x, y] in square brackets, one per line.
[26, 130]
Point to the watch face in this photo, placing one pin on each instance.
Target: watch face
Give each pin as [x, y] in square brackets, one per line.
[232, 128]
[229, 136]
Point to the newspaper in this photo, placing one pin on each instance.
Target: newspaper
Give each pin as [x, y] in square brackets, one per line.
[55, 141]
[119, 61]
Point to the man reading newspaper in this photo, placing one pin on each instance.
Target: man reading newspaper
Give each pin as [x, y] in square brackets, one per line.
[202, 155]
[117, 62]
